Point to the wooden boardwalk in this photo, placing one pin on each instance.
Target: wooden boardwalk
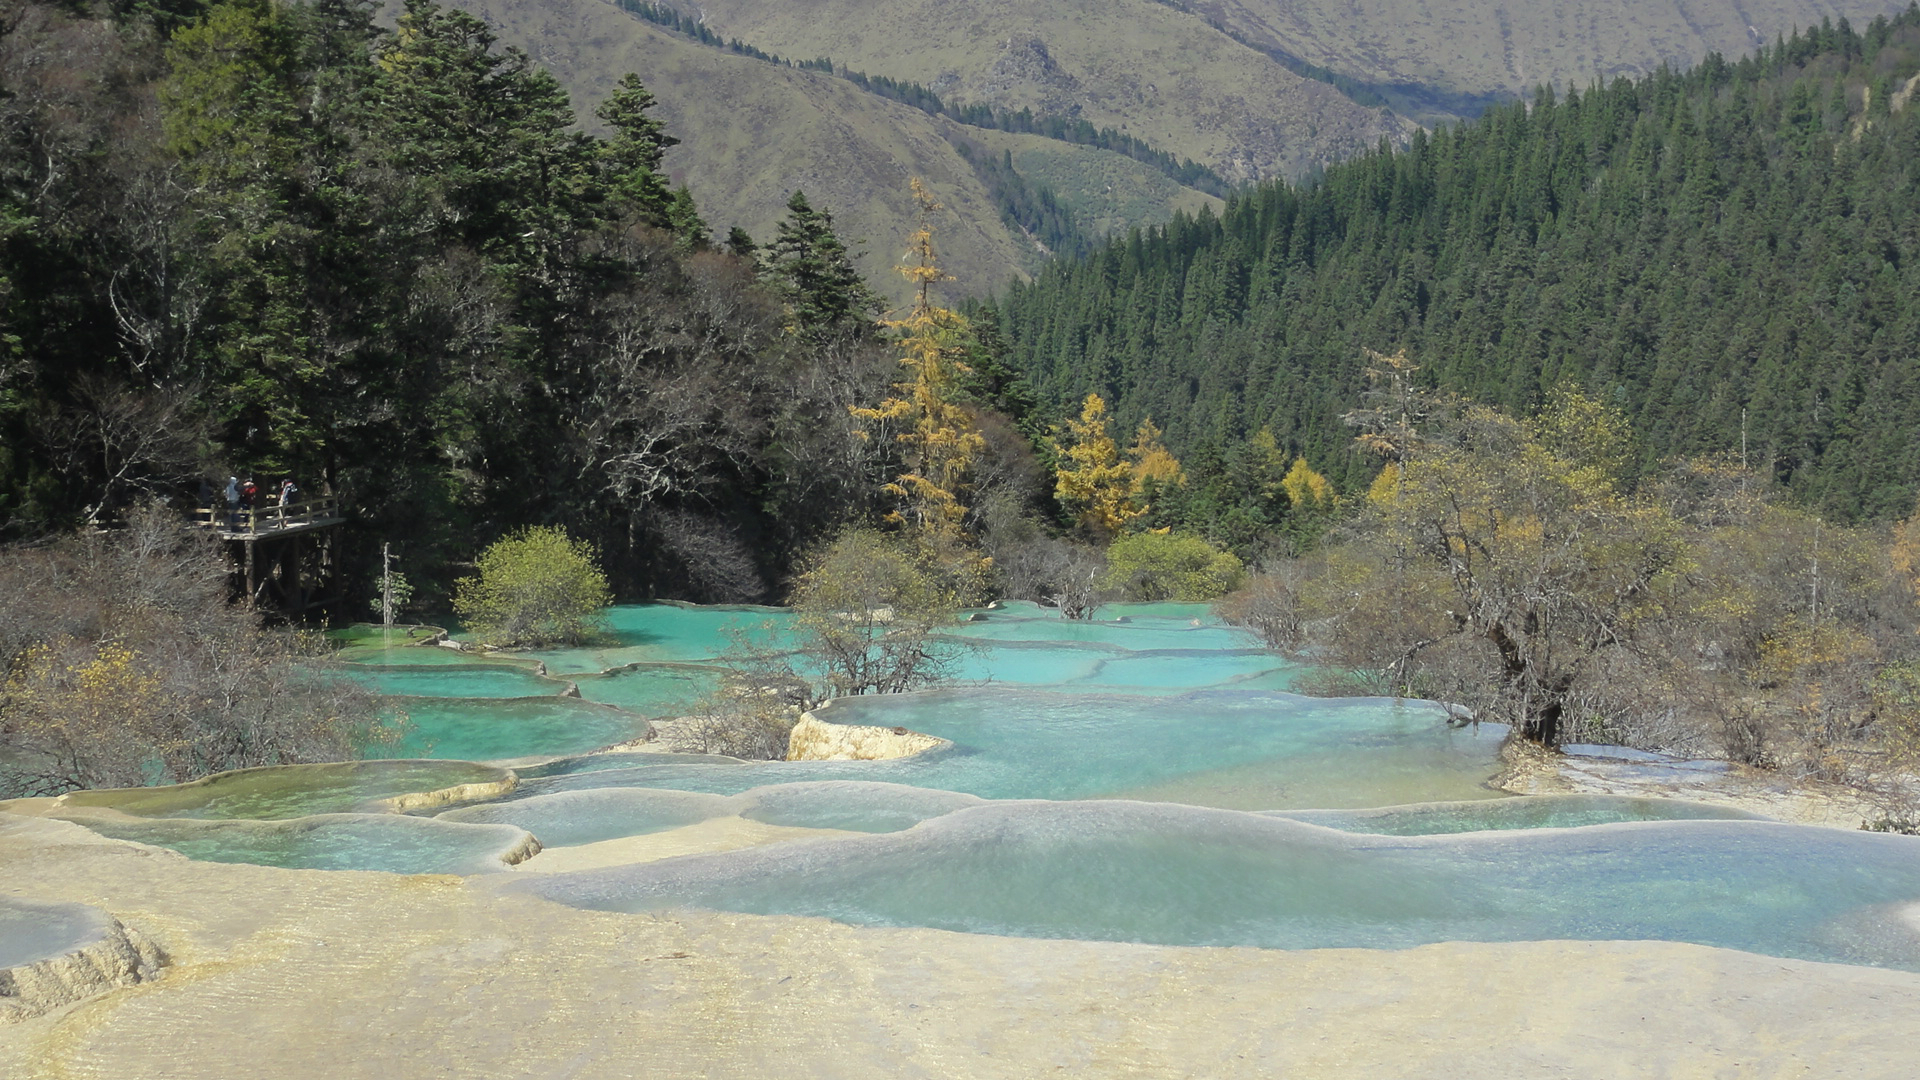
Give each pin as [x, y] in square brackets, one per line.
[270, 521]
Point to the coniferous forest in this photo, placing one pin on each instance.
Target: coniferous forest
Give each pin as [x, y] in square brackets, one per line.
[275, 241]
[1730, 255]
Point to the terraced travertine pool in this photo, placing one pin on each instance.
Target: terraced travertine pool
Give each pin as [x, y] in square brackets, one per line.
[1143, 777]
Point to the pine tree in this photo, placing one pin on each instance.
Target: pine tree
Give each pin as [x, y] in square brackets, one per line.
[683, 217]
[632, 155]
[810, 269]
[740, 242]
[231, 115]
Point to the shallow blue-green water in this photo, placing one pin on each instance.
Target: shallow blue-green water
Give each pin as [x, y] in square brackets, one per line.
[478, 730]
[32, 931]
[1178, 875]
[1541, 812]
[651, 689]
[390, 842]
[659, 660]
[1262, 750]
[665, 633]
[1142, 777]
[458, 680]
[290, 791]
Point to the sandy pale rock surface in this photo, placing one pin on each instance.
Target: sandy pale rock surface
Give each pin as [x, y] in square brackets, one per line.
[289, 974]
[716, 834]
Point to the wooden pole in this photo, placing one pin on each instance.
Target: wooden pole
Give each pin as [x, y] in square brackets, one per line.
[386, 590]
[290, 575]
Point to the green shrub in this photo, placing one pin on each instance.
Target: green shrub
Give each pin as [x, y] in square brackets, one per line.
[1167, 566]
[536, 587]
[870, 609]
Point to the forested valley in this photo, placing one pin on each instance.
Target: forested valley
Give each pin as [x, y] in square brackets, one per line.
[1730, 254]
[1612, 391]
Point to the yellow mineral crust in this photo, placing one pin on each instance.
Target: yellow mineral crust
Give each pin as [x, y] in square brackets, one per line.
[292, 974]
[450, 796]
[117, 957]
[815, 740]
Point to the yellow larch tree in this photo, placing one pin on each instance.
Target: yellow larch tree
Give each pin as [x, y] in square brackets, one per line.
[1093, 481]
[938, 436]
[1307, 491]
[1155, 469]
[1385, 487]
[1266, 465]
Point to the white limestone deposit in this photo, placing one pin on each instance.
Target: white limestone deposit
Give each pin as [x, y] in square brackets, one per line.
[1529, 770]
[291, 975]
[815, 740]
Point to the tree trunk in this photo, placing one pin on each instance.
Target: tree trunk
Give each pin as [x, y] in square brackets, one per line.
[1543, 726]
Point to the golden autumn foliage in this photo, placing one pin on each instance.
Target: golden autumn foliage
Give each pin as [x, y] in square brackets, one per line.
[1093, 482]
[1512, 566]
[65, 691]
[1385, 487]
[1505, 548]
[1267, 465]
[1307, 491]
[1154, 467]
[938, 437]
[1395, 407]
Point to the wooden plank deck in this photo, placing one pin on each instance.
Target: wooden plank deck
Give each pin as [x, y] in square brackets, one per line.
[264, 522]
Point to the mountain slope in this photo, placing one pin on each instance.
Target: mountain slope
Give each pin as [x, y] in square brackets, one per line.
[1731, 255]
[1441, 57]
[1144, 68]
[1215, 79]
[752, 132]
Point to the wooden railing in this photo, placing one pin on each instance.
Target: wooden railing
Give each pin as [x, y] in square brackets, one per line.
[265, 520]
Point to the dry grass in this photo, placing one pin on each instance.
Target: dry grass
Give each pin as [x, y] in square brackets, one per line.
[1153, 71]
[752, 132]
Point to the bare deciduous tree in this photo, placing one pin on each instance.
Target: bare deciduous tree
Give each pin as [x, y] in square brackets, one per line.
[719, 567]
[126, 664]
[123, 442]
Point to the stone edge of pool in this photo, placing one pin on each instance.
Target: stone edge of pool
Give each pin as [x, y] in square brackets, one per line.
[116, 956]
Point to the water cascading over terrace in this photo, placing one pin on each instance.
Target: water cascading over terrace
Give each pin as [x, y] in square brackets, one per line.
[1145, 776]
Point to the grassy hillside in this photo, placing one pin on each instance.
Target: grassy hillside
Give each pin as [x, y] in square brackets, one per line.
[1221, 80]
[1109, 193]
[1152, 71]
[1437, 58]
[752, 132]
